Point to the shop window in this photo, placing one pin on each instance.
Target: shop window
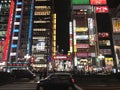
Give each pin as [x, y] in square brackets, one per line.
[104, 42]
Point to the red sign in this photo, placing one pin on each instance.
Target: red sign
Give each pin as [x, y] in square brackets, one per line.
[6, 46]
[62, 57]
[98, 2]
[103, 35]
[101, 9]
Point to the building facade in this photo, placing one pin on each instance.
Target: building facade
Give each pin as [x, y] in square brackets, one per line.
[42, 30]
[28, 34]
[92, 38]
[4, 13]
[115, 15]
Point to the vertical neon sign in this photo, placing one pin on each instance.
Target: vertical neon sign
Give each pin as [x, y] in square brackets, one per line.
[71, 34]
[8, 33]
[30, 28]
[74, 38]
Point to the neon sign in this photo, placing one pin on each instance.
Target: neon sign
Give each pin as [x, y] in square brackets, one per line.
[101, 9]
[98, 2]
[103, 35]
[8, 34]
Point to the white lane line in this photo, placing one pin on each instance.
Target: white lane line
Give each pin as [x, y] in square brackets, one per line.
[76, 86]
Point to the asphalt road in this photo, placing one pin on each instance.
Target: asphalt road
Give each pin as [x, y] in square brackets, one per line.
[24, 84]
[31, 85]
[101, 87]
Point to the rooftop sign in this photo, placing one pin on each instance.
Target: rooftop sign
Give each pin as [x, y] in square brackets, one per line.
[80, 2]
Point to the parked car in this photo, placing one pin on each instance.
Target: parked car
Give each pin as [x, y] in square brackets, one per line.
[56, 81]
[24, 74]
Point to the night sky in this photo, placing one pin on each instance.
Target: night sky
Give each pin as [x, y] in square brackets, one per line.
[62, 8]
[63, 12]
[113, 3]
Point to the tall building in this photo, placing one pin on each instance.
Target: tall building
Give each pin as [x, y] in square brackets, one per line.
[115, 15]
[29, 33]
[92, 38]
[30, 30]
[84, 34]
[4, 13]
[42, 30]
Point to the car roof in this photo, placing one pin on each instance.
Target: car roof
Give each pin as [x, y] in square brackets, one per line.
[59, 73]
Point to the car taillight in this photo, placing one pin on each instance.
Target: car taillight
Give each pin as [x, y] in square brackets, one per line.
[73, 81]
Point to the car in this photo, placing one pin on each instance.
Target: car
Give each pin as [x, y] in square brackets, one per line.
[23, 74]
[56, 81]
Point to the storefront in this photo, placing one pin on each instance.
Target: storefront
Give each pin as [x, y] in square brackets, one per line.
[62, 62]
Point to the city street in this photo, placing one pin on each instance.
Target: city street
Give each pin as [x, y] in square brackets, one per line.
[19, 85]
[25, 84]
[94, 86]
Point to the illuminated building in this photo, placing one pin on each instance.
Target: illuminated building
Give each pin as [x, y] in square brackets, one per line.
[31, 31]
[26, 28]
[28, 33]
[42, 29]
[16, 33]
[84, 36]
[116, 35]
[115, 15]
[105, 39]
[92, 45]
[4, 13]
[84, 42]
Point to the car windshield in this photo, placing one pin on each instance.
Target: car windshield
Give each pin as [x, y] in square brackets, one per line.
[59, 77]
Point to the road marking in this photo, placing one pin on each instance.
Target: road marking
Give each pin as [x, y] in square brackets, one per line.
[76, 86]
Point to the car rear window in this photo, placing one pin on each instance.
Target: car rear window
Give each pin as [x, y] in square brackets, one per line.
[60, 77]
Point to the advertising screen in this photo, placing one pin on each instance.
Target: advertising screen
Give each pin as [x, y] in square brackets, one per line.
[101, 9]
[40, 46]
[116, 25]
[98, 2]
[80, 2]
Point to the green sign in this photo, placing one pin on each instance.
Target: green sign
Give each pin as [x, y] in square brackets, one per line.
[80, 2]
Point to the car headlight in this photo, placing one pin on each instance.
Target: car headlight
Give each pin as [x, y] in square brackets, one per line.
[38, 81]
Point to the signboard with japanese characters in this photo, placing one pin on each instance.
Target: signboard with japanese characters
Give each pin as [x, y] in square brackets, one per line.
[101, 9]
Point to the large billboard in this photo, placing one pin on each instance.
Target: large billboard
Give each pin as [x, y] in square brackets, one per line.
[80, 2]
[101, 9]
[116, 25]
[98, 2]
